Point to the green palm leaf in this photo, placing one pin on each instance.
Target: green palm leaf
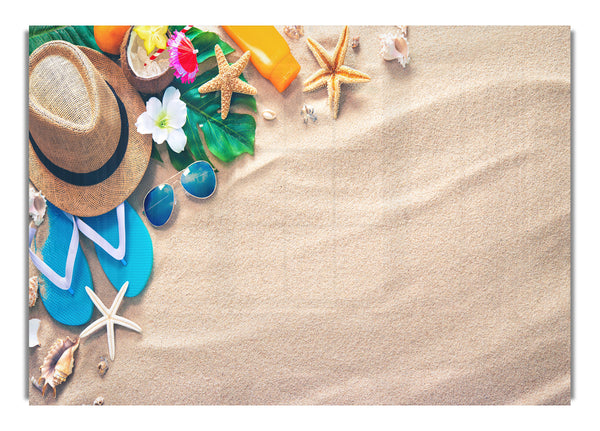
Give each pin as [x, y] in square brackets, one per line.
[82, 35]
[181, 160]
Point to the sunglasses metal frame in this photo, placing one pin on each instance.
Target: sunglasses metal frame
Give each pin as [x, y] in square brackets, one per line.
[169, 182]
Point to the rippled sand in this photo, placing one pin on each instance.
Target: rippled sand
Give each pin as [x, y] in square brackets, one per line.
[414, 251]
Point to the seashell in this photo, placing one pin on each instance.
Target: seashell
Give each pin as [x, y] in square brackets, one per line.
[102, 366]
[58, 363]
[294, 31]
[34, 327]
[403, 29]
[99, 401]
[269, 114]
[34, 284]
[35, 383]
[308, 113]
[355, 42]
[394, 46]
[37, 206]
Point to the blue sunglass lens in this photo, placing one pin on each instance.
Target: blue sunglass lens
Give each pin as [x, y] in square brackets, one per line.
[199, 179]
[158, 204]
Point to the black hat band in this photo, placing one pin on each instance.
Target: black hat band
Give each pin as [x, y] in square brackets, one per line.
[104, 171]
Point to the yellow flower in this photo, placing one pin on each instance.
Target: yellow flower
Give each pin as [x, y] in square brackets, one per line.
[154, 36]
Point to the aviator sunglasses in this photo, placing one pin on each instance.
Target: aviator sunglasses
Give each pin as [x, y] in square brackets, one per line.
[198, 180]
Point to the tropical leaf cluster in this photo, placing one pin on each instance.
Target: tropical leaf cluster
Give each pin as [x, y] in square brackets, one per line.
[225, 139]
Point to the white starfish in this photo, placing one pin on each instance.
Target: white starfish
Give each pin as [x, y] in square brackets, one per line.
[109, 318]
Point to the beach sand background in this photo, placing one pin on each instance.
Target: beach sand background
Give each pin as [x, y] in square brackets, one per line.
[414, 251]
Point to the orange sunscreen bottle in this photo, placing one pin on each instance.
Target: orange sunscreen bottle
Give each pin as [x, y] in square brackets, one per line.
[270, 52]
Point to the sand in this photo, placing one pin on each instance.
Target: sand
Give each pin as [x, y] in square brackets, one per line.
[414, 251]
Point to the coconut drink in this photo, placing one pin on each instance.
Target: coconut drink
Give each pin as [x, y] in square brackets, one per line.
[149, 74]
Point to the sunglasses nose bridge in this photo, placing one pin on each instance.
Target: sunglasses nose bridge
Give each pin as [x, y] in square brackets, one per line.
[198, 180]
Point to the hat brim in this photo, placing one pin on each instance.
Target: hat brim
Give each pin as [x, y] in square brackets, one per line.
[88, 201]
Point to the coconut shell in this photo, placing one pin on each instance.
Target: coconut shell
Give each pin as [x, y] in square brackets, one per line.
[152, 85]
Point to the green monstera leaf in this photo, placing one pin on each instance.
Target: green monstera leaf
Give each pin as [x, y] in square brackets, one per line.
[193, 150]
[82, 35]
[225, 139]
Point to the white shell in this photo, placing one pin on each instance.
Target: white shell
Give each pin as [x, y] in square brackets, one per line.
[37, 206]
[34, 326]
[394, 46]
[269, 114]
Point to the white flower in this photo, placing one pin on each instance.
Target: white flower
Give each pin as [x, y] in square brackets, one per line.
[165, 120]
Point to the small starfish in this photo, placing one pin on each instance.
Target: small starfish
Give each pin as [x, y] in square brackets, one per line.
[333, 72]
[228, 80]
[109, 318]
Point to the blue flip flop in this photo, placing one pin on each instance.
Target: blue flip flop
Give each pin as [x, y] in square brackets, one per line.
[64, 297]
[123, 246]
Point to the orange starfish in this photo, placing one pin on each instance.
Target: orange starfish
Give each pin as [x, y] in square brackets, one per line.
[228, 81]
[333, 73]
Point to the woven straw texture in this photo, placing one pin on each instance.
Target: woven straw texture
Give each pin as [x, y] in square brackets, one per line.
[74, 118]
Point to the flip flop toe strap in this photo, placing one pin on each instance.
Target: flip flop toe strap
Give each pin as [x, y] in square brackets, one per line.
[63, 283]
[117, 253]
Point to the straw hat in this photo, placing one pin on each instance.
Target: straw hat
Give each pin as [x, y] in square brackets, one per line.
[85, 153]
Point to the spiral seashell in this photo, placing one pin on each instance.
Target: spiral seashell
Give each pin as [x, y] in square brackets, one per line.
[37, 206]
[102, 366]
[99, 401]
[394, 46]
[58, 363]
[355, 42]
[33, 290]
[403, 29]
[35, 384]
